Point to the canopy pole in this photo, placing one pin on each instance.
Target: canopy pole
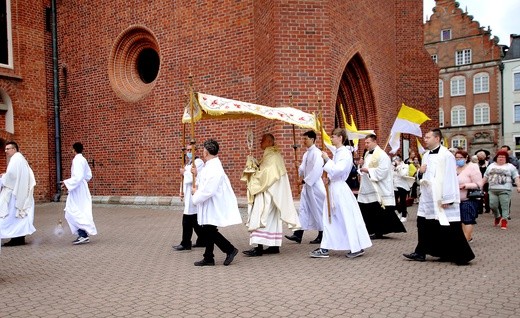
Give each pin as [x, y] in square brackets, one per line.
[295, 147]
[183, 158]
[192, 139]
[324, 175]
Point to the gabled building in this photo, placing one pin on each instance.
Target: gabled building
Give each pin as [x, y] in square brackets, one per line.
[469, 77]
[511, 95]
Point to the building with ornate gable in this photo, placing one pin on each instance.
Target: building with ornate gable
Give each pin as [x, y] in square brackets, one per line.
[470, 85]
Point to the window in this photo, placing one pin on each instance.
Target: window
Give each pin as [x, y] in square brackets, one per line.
[516, 80]
[6, 106]
[434, 58]
[517, 146]
[458, 86]
[441, 117]
[463, 57]
[446, 35]
[441, 88]
[481, 83]
[459, 142]
[6, 47]
[517, 113]
[481, 114]
[458, 116]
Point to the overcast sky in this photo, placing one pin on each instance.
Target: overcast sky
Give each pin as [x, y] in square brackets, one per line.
[503, 16]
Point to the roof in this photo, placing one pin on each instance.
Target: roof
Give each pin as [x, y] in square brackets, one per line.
[514, 48]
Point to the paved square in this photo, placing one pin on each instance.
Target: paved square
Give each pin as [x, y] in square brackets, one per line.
[130, 270]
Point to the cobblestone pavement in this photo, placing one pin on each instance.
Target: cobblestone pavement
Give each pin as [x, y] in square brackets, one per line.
[130, 270]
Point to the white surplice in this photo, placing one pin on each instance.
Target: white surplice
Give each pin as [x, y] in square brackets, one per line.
[16, 198]
[377, 185]
[78, 208]
[215, 199]
[189, 207]
[346, 229]
[313, 190]
[439, 185]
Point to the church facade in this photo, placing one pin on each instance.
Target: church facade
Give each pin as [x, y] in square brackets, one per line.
[122, 71]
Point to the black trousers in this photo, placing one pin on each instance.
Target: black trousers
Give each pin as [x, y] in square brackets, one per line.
[189, 224]
[213, 237]
[400, 201]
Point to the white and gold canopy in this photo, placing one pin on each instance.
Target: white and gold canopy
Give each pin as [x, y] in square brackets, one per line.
[207, 106]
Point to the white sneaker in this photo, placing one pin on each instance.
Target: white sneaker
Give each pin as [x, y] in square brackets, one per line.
[81, 240]
[403, 219]
[319, 253]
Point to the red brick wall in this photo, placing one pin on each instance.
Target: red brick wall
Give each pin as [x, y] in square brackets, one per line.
[26, 86]
[258, 51]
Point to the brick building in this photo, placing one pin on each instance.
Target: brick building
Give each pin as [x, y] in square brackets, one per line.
[469, 77]
[24, 107]
[124, 67]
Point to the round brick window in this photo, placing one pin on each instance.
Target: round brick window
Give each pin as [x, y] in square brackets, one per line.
[134, 63]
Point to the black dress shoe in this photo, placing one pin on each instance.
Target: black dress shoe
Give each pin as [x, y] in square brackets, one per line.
[415, 257]
[293, 238]
[204, 263]
[181, 248]
[230, 257]
[15, 241]
[253, 252]
[315, 241]
[272, 250]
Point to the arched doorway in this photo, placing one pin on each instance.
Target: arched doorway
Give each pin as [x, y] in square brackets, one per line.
[355, 94]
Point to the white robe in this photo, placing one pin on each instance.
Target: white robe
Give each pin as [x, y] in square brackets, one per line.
[189, 207]
[346, 230]
[216, 202]
[78, 208]
[273, 202]
[377, 185]
[313, 190]
[16, 199]
[439, 185]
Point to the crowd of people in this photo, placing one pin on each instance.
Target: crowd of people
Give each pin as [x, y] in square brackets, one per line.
[451, 187]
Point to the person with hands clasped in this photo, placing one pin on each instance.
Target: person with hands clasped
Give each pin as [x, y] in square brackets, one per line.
[344, 229]
[439, 229]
